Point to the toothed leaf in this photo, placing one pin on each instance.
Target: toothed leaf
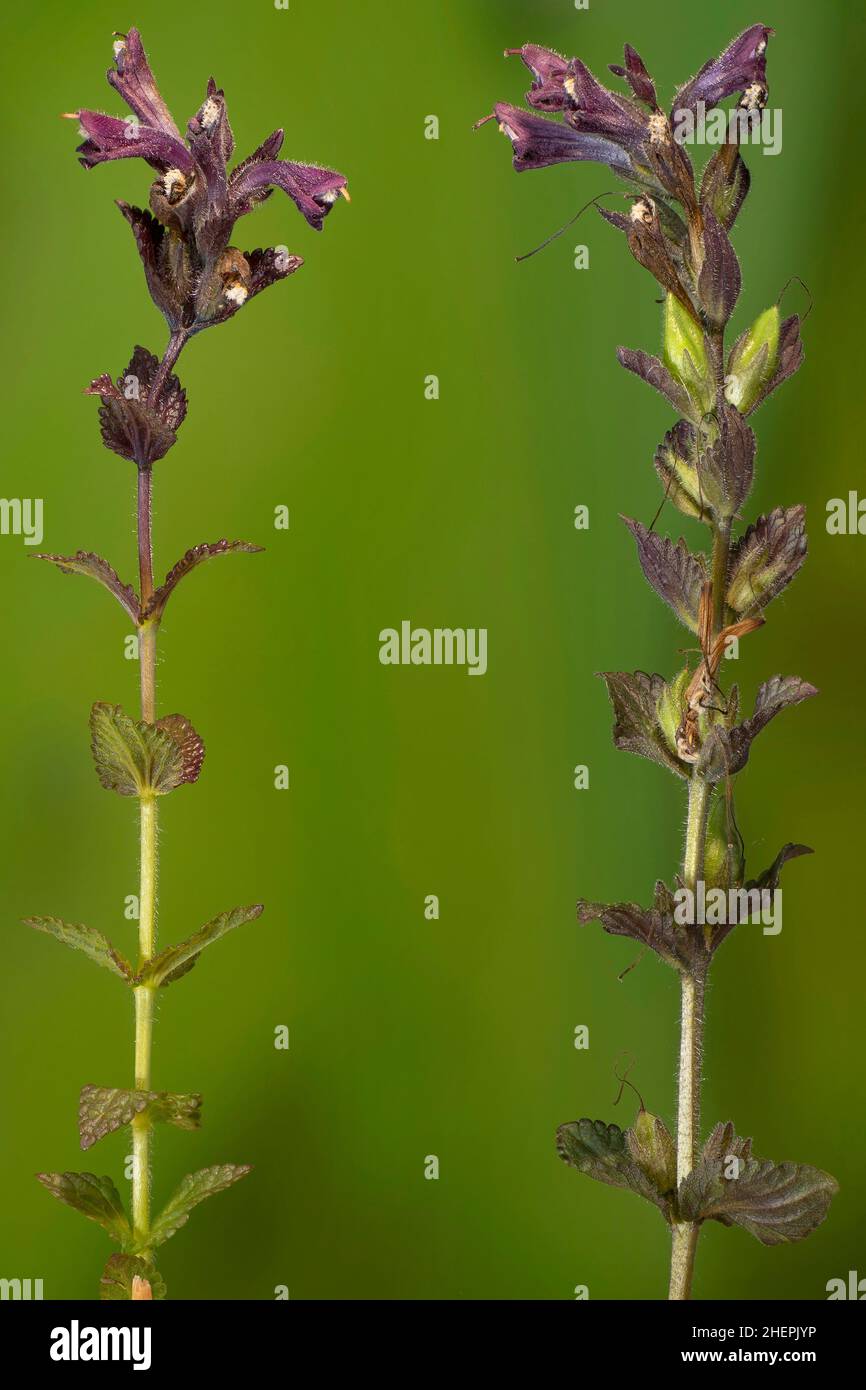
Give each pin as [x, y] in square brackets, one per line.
[96, 1198]
[87, 939]
[175, 960]
[601, 1152]
[192, 1190]
[190, 560]
[104, 1109]
[85, 562]
[116, 1282]
[133, 757]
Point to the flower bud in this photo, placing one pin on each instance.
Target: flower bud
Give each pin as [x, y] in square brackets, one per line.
[652, 1148]
[753, 361]
[724, 864]
[685, 354]
[669, 710]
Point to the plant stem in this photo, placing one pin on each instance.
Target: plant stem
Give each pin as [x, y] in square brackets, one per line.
[685, 1234]
[148, 832]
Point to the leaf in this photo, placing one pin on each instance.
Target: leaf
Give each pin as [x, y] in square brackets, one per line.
[725, 184]
[728, 466]
[134, 758]
[651, 1145]
[653, 928]
[654, 372]
[790, 358]
[197, 556]
[175, 959]
[84, 562]
[116, 1280]
[96, 1198]
[635, 698]
[676, 463]
[776, 1202]
[766, 558]
[773, 696]
[676, 575]
[192, 1190]
[770, 877]
[601, 1152]
[720, 280]
[81, 938]
[134, 426]
[104, 1109]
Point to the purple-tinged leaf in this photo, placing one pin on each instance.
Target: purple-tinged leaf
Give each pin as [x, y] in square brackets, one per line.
[769, 878]
[653, 928]
[654, 372]
[720, 280]
[635, 698]
[104, 1109]
[726, 752]
[174, 960]
[725, 185]
[776, 1202]
[194, 1188]
[676, 575]
[136, 424]
[790, 358]
[96, 1198]
[676, 463]
[766, 558]
[150, 240]
[727, 467]
[86, 939]
[723, 1142]
[85, 562]
[118, 1280]
[194, 557]
[135, 758]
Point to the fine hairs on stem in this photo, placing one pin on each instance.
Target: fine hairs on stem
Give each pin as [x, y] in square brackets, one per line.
[690, 724]
[198, 281]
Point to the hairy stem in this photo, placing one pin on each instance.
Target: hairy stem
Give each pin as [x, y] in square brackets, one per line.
[685, 1234]
[149, 831]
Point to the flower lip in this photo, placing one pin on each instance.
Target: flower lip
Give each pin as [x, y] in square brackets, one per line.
[743, 63]
[539, 141]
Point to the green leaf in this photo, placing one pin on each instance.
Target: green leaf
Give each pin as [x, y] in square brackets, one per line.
[652, 1147]
[116, 1281]
[601, 1152]
[86, 939]
[197, 556]
[103, 1109]
[174, 961]
[96, 1198]
[776, 1202]
[192, 1190]
[85, 562]
[134, 758]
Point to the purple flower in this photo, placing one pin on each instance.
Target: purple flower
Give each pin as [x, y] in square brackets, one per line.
[741, 68]
[194, 275]
[538, 141]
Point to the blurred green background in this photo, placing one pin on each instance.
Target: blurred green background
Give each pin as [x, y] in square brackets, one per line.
[411, 1037]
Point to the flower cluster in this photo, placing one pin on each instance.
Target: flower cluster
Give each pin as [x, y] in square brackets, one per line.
[195, 277]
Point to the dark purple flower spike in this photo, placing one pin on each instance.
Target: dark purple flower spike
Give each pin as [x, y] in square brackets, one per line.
[195, 277]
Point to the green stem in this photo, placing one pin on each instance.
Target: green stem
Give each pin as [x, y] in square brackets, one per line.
[685, 1234]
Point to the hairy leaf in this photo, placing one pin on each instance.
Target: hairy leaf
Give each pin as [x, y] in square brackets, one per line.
[720, 280]
[103, 1109]
[773, 696]
[601, 1152]
[776, 1202]
[766, 558]
[677, 462]
[770, 877]
[135, 424]
[133, 757]
[653, 928]
[676, 575]
[652, 1147]
[725, 185]
[171, 961]
[197, 556]
[96, 1198]
[635, 698]
[728, 465]
[790, 358]
[192, 1190]
[84, 562]
[654, 372]
[86, 939]
[115, 1283]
